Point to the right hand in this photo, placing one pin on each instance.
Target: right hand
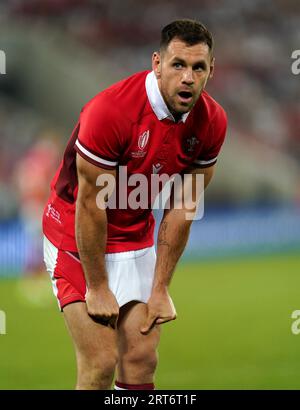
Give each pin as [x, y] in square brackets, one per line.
[102, 306]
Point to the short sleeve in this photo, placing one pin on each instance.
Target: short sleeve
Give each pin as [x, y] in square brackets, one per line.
[215, 139]
[99, 139]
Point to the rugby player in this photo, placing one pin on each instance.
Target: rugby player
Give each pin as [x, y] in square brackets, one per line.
[111, 286]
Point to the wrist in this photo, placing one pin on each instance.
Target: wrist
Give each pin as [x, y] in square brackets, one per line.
[160, 287]
[99, 286]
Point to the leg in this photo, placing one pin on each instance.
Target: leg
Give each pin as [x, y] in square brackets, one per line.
[137, 352]
[95, 346]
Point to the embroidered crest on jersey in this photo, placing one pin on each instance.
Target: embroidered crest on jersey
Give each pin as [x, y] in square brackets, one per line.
[142, 142]
[143, 139]
[190, 145]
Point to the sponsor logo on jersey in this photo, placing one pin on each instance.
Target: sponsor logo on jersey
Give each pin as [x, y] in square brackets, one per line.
[143, 139]
[156, 168]
[142, 142]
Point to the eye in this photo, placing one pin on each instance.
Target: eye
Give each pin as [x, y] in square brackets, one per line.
[200, 67]
[177, 65]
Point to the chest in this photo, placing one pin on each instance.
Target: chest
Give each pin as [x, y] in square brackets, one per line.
[157, 147]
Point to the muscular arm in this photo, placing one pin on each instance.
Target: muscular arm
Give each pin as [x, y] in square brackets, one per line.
[91, 237]
[173, 235]
[172, 238]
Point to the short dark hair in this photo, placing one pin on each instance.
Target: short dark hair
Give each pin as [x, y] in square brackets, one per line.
[189, 31]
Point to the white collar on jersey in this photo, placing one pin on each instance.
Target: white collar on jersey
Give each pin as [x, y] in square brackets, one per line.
[156, 100]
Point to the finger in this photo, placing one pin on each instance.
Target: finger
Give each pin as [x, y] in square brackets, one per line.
[105, 319]
[100, 319]
[113, 321]
[161, 320]
[150, 323]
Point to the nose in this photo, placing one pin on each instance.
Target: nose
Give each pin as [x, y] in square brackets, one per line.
[188, 77]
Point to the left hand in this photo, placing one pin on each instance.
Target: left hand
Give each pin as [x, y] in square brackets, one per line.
[160, 310]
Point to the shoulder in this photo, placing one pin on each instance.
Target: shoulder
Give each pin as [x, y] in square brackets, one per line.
[209, 109]
[121, 101]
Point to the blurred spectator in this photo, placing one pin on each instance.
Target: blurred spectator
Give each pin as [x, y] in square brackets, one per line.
[32, 174]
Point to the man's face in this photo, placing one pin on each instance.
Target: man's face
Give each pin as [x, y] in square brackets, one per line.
[182, 72]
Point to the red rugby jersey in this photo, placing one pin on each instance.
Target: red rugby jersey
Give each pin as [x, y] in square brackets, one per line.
[129, 124]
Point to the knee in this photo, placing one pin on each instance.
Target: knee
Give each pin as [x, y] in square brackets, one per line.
[104, 365]
[142, 358]
[97, 370]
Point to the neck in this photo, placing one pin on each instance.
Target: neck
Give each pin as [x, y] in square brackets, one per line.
[177, 116]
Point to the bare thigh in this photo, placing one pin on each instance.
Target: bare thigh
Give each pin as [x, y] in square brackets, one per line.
[95, 345]
[137, 352]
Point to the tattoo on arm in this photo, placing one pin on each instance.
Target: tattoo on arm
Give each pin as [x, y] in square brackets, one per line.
[163, 234]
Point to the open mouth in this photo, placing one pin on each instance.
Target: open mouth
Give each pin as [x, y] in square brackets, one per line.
[185, 96]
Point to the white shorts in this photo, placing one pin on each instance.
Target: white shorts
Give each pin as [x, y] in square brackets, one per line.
[130, 274]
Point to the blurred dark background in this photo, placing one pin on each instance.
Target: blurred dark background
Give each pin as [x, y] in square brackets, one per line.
[239, 282]
[60, 53]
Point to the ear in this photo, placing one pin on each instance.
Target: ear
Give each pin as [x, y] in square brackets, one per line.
[156, 64]
[212, 68]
